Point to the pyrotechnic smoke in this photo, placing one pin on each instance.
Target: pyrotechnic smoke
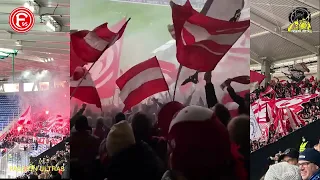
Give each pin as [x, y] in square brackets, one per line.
[54, 100]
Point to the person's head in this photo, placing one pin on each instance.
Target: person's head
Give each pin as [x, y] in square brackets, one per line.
[119, 138]
[283, 171]
[239, 128]
[81, 124]
[303, 139]
[222, 113]
[119, 117]
[99, 123]
[309, 163]
[142, 126]
[290, 155]
[41, 176]
[193, 153]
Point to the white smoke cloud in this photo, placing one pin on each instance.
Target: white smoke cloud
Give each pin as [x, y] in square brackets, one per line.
[55, 100]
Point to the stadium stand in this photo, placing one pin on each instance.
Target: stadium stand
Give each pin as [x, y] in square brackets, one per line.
[9, 108]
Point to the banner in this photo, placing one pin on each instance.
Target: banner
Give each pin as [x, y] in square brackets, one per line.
[294, 104]
[255, 131]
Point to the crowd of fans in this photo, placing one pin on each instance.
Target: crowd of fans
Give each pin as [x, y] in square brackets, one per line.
[54, 167]
[286, 89]
[141, 145]
[295, 165]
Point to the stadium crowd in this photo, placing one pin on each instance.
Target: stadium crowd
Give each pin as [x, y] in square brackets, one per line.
[142, 145]
[286, 89]
[54, 167]
[283, 89]
[294, 165]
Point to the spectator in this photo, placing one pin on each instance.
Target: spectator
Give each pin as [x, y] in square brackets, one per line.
[283, 171]
[309, 163]
[290, 156]
[99, 131]
[119, 117]
[84, 148]
[192, 155]
[130, 159]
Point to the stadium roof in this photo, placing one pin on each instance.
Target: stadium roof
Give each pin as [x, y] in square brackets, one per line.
[46, 46]
[269, 38]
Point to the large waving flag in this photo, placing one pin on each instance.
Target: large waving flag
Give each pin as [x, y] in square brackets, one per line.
[140, 82]
[256, 77]
[86, 92]
[25, 118]
[255, 80]
[203, 41]
[89, 45]
[106, 70]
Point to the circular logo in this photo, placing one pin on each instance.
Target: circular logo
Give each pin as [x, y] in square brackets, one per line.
[21, 20]
[299, 14]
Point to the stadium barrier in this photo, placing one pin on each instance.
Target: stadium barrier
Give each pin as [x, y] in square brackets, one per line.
[14, 163]
[50, 152]
[259, 158]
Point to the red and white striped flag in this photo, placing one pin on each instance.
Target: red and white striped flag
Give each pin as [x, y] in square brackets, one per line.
[89, 45]
[25, 118]
[202, 41]
[86, 92]
[294, 119]
[140, 82]
[106, 70]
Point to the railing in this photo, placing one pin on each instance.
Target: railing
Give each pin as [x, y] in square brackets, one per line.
[14, 163]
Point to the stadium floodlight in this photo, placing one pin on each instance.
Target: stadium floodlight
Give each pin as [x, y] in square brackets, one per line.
[4, 52]
[8, 51]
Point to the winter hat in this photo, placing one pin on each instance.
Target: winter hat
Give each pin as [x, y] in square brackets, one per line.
[199, 142]
[166, 115]
[81, 123]
[291, 152]
[119, 138]
[119, 117]
[311, 155]
[283, 171]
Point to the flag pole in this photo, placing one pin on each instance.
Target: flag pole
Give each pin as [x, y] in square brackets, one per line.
[175, 86]
[86, 73]
[109, 45]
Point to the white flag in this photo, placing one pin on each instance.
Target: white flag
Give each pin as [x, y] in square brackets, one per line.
[255, 131]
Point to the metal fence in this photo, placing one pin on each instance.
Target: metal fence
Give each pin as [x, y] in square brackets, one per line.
[14, 163]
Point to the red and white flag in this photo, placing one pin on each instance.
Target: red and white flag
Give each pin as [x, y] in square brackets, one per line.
[255, 80]
[89, 45]
[294, 104]
[256, 77]
[294, 119]
[86, 92]
[54, 119]
[75, 61]
[238, 79]
[202, 41]
[140, 82]
[25, 118]
[106, 70]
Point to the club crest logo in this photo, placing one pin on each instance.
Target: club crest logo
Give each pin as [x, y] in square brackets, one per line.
[300, 19]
